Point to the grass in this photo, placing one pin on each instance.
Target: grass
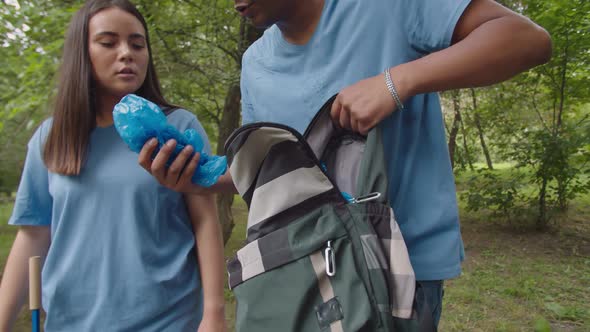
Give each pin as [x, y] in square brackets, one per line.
[520, 281]
[513, 279]
[6, 233]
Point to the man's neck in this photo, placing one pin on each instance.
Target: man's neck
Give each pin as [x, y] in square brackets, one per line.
[301, 24]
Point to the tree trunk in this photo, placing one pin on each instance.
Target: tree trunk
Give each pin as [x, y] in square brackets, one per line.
[542, 218]
[482, 140]
[230, 120]
[562, 182]
[454, 127]
[466, 146]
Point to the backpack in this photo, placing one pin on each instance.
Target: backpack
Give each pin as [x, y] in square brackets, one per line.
[323, 249]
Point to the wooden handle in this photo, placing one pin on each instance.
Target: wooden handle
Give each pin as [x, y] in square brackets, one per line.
[35, 282]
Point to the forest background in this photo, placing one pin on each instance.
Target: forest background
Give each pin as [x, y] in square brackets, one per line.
[520, 150]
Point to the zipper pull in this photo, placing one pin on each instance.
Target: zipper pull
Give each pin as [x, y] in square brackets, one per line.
[330, 260]
[348, 197]
[366, 198]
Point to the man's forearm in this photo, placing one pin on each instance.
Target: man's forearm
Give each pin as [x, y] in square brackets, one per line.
[224, 185]
[211, 264]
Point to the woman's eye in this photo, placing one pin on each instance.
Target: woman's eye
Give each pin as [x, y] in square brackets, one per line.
[107, 44]
[138, 46]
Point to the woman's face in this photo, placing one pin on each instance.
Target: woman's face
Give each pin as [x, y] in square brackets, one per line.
[118, 52]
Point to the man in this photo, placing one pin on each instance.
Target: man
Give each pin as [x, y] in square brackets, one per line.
[313, 49]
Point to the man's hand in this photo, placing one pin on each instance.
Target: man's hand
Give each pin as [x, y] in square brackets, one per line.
[361, 106]
[176, 177]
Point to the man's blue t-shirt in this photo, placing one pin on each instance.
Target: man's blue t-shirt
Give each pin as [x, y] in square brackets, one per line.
[354, 40]
[122, 254]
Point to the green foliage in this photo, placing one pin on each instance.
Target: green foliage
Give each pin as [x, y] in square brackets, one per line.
[196, 49]
[539, 120]
[489, 190]
[554, 147]
[197, 52]
[558, 161]
[31, 49]
[31, 39]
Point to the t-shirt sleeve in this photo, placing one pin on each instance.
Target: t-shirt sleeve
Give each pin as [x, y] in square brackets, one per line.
[182, 120]
[430, 23]
[195, 124]
[33, 202]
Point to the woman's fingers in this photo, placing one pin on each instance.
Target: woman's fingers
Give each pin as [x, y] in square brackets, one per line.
[158, 167]
[178, 165]
[185, 179]
[178, 175]
[145, 155]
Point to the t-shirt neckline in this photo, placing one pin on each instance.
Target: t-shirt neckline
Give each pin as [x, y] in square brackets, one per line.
[285, 44]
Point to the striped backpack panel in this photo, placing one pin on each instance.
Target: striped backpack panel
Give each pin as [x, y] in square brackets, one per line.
[315, 260]
[278, 177]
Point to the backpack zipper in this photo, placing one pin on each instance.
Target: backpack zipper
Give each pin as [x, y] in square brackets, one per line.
[297, 135]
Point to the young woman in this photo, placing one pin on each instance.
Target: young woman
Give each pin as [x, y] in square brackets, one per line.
[122, 253]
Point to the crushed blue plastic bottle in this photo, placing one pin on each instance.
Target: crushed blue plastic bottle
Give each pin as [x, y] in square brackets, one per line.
[138, 119]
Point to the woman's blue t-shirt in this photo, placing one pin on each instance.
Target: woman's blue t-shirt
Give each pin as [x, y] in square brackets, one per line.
[122, 254]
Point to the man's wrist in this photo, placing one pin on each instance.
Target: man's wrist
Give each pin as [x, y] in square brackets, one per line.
[392, 90]
[403, 82]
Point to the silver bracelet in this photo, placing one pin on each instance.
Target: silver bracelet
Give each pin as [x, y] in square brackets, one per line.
[392, 90]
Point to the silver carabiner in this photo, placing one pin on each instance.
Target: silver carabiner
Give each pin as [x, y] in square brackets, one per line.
[367, 198]
[330, 260]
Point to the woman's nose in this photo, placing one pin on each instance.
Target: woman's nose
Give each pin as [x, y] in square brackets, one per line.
[125, 53]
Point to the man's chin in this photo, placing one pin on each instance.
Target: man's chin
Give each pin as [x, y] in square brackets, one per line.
[260, 23]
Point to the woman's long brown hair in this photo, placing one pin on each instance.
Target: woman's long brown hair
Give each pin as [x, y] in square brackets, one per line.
[74, 110]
